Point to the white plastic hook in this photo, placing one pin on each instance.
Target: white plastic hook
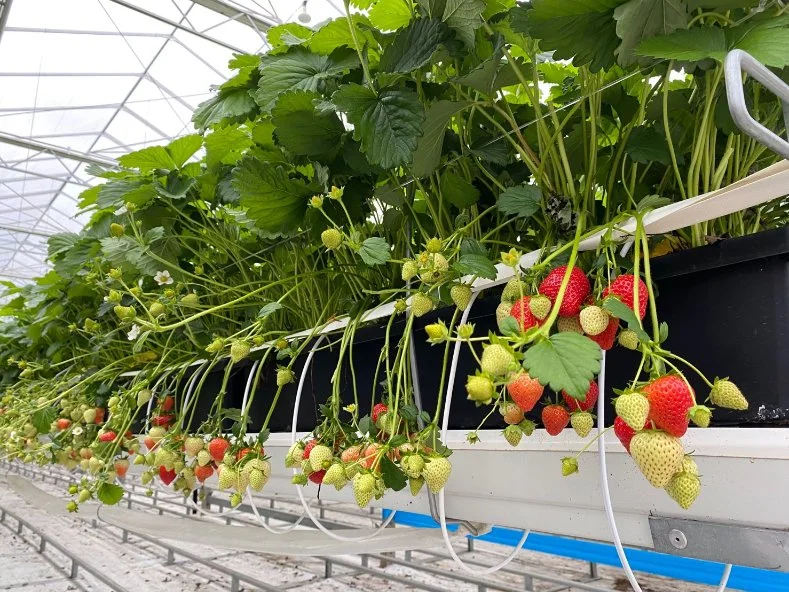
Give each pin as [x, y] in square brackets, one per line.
[304, 504]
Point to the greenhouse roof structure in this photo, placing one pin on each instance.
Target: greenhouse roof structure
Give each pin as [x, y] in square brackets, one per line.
[84, 81]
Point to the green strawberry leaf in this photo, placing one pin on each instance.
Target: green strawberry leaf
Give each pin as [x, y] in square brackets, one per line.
[428, 151]
[409, 412]
[686, 45]
[638, 20]
[456, 190]
[398, 441]
[622, 311]
[263, 436]
[413, 47]
[566, 361]
[522, 201]
[509, 327]
[474, 264]
[388, 124]
[301, 129]
[663, 332]
[109, 494]
[375, 251]
[43, 419]
[389, 15]
[366, 425]
[268, 308]
[393, 477]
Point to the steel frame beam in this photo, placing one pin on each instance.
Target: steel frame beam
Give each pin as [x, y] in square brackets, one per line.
[31, 144]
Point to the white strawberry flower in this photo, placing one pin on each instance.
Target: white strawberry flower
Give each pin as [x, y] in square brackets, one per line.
[163, 278]
[134, 333]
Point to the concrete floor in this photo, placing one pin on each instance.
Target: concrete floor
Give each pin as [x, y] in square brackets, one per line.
[141, 566]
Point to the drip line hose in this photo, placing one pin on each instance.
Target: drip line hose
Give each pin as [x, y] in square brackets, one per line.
[442, 514]
[315, 520]
[609, 511]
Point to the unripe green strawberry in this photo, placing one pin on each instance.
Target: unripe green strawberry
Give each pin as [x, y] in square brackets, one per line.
[215, 346]
[540, 306]
[569, 465]
[227, 477]
[239, 350]
[633, 408]
[125, 312]
[437, 331]
[192, 446]
[726, 394]
[415, 484]
[594, 320]
[434, 245]
[502, 312]
[582, 422]
[284, 376]
[410, 270]
[658, 455]
[363, 487]
[497, 360]
[294, 455]
[480, 389]
[235, 500]
[84, 496]
[514, 290]
[146, 477]
[203, 457]
[569, 325]
[320, 457]
[700, 415]
[335, 475]
[72, 506]
[689, 465]
[412, 465]
[255, 464]
[89, 416]
[331, 238]
[257, 480]
[437, 266]
[116, 230]
[629, 339]
[156, 309]
[139, 459]
[513, 435]
[421, 304]
[461, 295]
[684, 488]
[436, 473]
[190, 299]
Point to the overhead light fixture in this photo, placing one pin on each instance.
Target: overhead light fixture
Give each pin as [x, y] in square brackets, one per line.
[304, 16]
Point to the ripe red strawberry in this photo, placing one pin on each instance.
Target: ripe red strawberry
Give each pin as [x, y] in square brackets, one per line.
[521, 312]
[217, 448]
[203, 473]
[99, 415]
[578, 289]
[168, 403]
[244, 451]
[525, 390]
[121, 467]
[63, 423]
[378, 410]
[622, 288]
[670, 400]
[107, 436]
[166, 476]
[607, 338]
[555, 418]
[161, 420]
[624, 432]
[586, 404]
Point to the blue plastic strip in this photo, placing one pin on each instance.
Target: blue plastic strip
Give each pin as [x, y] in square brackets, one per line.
[682, 568]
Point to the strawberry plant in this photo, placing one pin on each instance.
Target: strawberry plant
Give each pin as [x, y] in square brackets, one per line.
[387, 162]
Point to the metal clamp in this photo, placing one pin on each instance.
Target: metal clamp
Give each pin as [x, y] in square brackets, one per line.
[765, 548]
[736, 62]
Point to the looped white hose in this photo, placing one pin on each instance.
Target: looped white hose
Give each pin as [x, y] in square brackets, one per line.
[442, 514]
[264, 524]
[609, 511]
[304, 504]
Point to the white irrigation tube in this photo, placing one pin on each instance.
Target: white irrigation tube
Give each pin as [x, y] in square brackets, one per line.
[304, 504]
[442, 514]
[609, 511]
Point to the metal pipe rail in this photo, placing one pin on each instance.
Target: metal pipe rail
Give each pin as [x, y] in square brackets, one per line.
[45, 541]
[160, 504]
